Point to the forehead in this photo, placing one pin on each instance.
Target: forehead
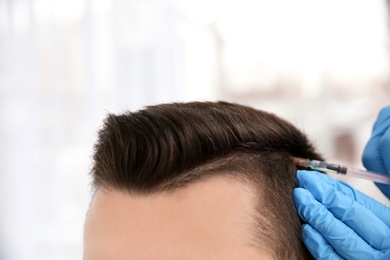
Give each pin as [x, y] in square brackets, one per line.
[212, 218]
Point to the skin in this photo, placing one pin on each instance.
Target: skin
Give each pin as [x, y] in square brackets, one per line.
[206, 220]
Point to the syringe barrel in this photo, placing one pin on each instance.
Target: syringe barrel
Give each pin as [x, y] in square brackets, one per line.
[327, 167]
[372, 176]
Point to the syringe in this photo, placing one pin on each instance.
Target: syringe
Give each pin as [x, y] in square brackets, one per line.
[338, 169]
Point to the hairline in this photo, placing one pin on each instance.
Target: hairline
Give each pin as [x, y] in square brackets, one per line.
[246, 180]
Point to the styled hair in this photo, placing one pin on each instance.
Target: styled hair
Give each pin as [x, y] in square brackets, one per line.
[168, 146]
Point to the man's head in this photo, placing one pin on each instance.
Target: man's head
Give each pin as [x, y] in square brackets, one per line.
[195, 180]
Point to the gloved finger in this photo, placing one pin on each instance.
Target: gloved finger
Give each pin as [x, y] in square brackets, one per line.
[372, 155]
[342, 238]
[385, 189]
[305, 178]
[384, 147]
[346, 209]
[385, 152]
[317, 244]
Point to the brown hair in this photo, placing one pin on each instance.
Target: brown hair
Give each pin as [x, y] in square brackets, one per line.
[168, 146]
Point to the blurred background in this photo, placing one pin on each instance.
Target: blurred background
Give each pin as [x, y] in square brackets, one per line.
[323, 65]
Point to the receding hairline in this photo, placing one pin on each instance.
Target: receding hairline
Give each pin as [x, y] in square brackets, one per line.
[218, 167]
[246, 226]
[253, 180]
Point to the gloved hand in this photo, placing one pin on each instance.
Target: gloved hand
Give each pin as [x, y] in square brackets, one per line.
[376, 154]
[341, 221]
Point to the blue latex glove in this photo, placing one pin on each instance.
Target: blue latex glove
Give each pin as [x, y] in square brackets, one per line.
[342, 223]
[376, 154]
